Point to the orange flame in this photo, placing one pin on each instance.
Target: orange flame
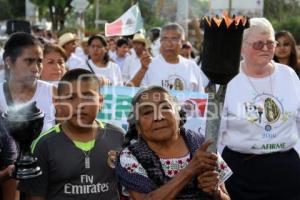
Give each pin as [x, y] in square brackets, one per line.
[227, 19]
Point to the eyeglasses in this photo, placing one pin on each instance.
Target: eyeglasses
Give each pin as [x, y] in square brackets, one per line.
[286, 44]
[259, 45]
[174, 40]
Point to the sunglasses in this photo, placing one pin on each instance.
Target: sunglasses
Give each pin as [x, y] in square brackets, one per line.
[259, 45]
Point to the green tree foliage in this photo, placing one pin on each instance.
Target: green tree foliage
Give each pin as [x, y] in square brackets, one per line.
[198, 8]
[12, 9]
[110, 10]
[284, 15]
[148, 14]
[292, 25]
[56, 10]
[4, 10]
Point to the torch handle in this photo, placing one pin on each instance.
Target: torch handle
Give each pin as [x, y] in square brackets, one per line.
[214, 114]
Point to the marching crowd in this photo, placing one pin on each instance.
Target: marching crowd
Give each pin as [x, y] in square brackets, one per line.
[156, 158]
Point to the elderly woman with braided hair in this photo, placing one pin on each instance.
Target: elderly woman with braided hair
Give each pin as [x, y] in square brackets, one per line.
[166, 161]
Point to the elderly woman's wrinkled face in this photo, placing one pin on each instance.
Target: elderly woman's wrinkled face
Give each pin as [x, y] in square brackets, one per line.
[258, 49]
[157, 117]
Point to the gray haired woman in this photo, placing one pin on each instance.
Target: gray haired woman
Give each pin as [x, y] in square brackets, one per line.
[261, 119]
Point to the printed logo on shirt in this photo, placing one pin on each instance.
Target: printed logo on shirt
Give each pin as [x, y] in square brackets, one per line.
[274, 146]
[174, 82]
[87, 186]
[265, 111]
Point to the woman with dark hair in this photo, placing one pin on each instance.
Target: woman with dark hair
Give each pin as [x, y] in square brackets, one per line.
[23, 55]
[99, 63]
[166, 161]
[286, 50]
[154, 35]
[187, 50]
[54, 63]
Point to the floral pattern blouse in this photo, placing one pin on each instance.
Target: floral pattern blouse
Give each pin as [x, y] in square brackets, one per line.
[171, 166]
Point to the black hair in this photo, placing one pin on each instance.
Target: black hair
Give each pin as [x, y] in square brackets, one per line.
[293, 59]
[15, 45]
[154, 33]
[98, 37]
[104, 43]
[121, 42]
[75, 75]
[132, 133]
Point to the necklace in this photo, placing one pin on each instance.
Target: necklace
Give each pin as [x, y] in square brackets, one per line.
[87, 162]
[252, 85]
[259, 108]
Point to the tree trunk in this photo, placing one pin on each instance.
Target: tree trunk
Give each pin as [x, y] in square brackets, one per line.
[53, 18]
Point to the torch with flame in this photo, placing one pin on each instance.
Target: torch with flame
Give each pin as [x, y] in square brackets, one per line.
[221, 60]
[222, 46]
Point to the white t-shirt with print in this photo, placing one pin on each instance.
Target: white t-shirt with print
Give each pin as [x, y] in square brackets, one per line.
[184, 75]
[261, 115]
[111, 71]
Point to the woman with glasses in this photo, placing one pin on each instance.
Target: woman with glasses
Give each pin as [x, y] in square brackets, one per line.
[286, 50]
[260, 122]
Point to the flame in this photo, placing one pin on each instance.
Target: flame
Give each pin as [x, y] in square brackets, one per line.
[240, 18]
[227, 19]
[217, 20]
[207, 20]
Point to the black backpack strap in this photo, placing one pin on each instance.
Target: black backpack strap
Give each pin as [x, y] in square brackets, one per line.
[7, 95]
[89, 66]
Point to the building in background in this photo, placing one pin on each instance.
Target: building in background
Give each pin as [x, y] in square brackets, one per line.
[31, 12]
[250, 8]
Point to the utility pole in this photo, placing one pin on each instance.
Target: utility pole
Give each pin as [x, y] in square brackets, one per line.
[159, 6]
[229, 7]
[31, 12]
[182, 15]
[97, 13]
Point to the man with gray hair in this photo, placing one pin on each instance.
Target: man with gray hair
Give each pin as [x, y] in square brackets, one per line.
[169, 69]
